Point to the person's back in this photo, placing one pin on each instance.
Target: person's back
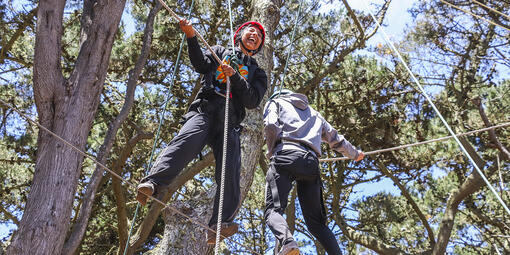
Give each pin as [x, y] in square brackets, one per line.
[294, 132]
[289, 119]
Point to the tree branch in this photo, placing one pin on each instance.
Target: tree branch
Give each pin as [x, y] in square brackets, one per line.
[412, 203]
[165, 195]
[9, 215]
[27, 20]
[472, 184]
[492, 134]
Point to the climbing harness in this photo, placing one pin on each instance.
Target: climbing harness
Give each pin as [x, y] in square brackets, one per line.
[422, 90]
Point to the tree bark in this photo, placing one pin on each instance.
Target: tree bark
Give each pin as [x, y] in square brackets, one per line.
[67, 108]
[81, 224]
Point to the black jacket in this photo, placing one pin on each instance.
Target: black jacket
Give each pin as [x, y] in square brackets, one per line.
[245, 93]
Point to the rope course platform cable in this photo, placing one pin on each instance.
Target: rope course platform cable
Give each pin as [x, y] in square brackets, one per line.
[436, 110]
[506, 124]
[115, 174]
[491, 9]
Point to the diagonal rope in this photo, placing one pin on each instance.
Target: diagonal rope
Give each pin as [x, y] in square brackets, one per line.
[477, 16]
[506, 124]
[161, 118]
[177, 18]
[225, 145]
[115, 174]
[290, 47]
[492, 9]
[422, 90]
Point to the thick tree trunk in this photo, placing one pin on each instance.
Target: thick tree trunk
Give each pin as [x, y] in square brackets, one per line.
[184, 237]
[79, 228]
[67, 108]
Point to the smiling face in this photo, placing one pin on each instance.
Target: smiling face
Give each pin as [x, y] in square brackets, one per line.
[252, 38]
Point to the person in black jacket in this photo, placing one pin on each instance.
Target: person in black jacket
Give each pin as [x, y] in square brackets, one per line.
[204, 122]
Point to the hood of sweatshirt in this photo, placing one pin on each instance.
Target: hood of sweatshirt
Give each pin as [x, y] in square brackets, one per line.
[299, 101]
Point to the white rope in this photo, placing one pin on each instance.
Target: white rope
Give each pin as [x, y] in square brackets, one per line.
[225, 145]
[223, 166]
[115, 174]
[435, 108]
[419, 143]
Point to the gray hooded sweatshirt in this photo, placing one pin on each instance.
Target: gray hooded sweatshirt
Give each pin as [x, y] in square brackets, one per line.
[289, 123]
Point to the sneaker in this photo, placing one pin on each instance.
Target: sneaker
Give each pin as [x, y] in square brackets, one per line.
[227, 230]
[291, 248]
[145, 190]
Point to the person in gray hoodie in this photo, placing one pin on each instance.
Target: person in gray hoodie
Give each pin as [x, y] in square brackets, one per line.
[294, 132]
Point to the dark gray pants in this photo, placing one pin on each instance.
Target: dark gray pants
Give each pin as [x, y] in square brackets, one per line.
[303, 167]
[198, 130]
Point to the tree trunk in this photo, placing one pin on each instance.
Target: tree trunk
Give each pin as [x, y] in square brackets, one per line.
[79, 228]
[67, 108]
[184, 237]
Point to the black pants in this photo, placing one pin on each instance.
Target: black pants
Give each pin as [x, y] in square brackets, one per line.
[303, 167]
[203, 128]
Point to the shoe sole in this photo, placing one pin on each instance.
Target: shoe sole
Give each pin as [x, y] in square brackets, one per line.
[143, 195]
[293, 251]
[225, 233]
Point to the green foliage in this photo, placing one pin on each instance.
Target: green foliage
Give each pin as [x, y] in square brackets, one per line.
[373, 104]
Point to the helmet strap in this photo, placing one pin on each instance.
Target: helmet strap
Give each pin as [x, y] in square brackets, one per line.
[253, 52]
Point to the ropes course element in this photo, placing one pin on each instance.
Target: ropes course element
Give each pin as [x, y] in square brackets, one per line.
[491, 9]
[475, 15]
[422, 90]
[225, 146]
[115, 174]
[506, 124]
[161, 118]
[290, 47]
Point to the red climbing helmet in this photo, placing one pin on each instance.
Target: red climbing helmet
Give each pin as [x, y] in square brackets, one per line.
[237, 36]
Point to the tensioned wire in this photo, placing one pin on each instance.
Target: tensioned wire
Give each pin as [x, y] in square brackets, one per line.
[225, 141]
[492, 9]
[422, 90]
[290, 47]
[506, 124]
[161, 118]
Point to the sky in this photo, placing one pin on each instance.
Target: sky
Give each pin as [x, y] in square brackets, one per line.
[395, 21]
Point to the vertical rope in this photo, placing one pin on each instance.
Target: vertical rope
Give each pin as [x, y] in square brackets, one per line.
[161, 118]
[422, 90]
[290, 47]
[225, 146]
